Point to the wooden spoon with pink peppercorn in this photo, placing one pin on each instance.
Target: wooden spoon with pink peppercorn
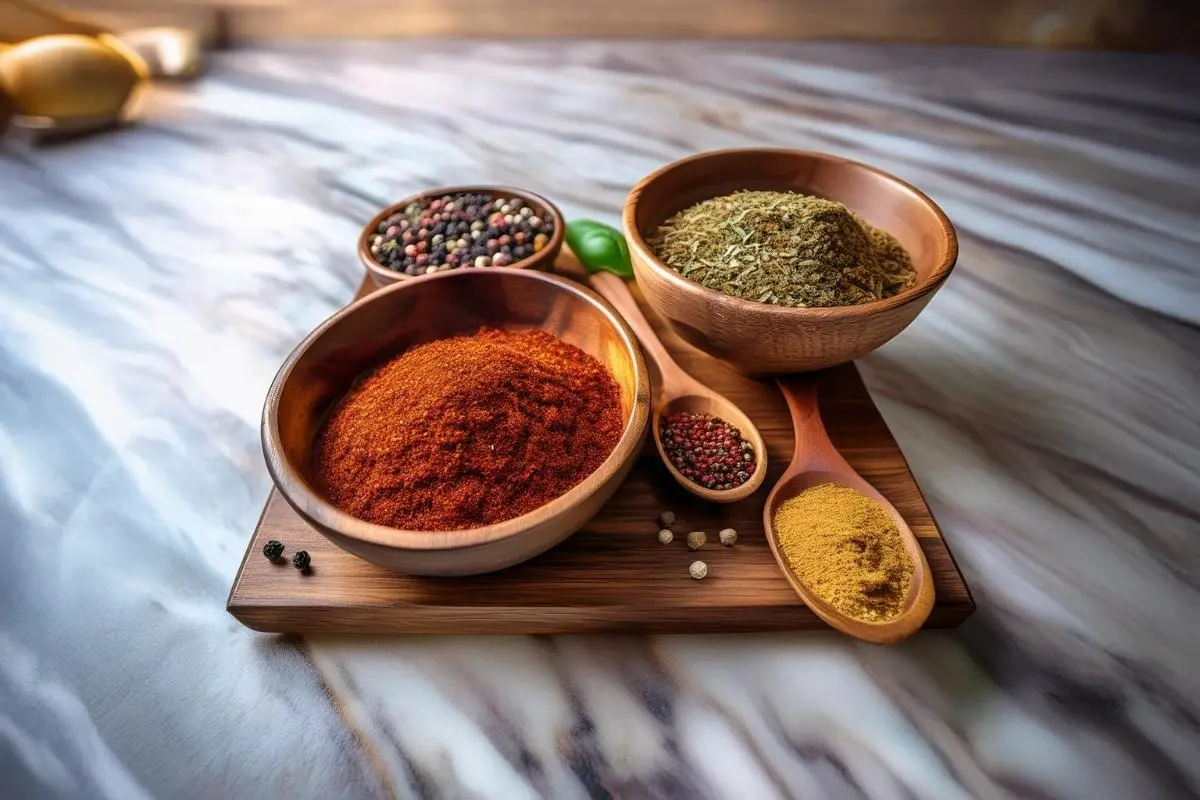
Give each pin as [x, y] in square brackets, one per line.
[601, 251]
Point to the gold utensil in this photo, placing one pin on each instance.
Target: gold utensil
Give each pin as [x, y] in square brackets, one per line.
[72, 82]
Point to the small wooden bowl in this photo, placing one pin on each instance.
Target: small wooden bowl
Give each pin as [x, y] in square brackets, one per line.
[403, 315]
[543, 259]
[758, 338]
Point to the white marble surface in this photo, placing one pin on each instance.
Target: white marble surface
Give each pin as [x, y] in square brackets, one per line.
[153, 279]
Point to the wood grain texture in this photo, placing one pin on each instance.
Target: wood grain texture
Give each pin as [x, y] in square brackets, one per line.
[612, 575]
[760, 338]
[815, 462]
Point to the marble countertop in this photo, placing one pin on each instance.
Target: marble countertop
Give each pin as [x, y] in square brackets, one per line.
[154, 278]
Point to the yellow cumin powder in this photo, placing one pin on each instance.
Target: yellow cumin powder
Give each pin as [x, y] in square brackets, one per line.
[846, 549]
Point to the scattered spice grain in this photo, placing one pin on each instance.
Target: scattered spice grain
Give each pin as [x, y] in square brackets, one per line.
[666, 519]
[696, 540]
[846, 548]
[273, 550]
[728, 537]
[301, 560]
[469, 431]
[698, 570]
[665, 536]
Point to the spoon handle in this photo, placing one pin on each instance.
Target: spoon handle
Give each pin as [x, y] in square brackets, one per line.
[614, 289]
[814, 451]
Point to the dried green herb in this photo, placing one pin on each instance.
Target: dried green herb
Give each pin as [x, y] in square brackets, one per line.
[784, 248]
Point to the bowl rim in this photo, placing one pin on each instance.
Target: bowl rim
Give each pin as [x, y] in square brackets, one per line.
[646, 256]
[391, 276]
[324, 515]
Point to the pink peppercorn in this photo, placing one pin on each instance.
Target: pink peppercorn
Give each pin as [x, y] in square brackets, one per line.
[707, 450]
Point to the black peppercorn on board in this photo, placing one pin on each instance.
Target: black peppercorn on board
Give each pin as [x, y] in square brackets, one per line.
[615, 574]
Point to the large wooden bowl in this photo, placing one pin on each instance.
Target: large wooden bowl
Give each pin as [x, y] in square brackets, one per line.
[758, 338]
[403, 315]
[542, 259]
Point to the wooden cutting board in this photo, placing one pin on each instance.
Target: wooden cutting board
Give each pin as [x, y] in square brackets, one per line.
[613, 575]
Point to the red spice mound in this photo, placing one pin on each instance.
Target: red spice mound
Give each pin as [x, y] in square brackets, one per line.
[469, 431]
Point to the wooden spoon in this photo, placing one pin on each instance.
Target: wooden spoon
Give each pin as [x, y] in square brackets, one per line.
[815, 462]
[676, 391]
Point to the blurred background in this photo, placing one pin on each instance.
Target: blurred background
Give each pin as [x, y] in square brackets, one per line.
[1117, 24]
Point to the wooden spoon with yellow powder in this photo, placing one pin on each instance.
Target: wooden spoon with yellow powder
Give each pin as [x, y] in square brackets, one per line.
[842, 546]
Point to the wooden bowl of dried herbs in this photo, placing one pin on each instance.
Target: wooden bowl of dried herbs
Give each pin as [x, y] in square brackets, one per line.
[779, 261]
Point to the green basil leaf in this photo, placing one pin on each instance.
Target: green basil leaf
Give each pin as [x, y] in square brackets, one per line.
[599, 247]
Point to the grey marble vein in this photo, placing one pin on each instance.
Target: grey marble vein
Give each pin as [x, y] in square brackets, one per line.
[152, 279]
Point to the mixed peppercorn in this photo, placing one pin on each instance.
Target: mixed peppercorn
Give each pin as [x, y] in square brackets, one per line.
[460, 230]
[273, 550]
[707, 450]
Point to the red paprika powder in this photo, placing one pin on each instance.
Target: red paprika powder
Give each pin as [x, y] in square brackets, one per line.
[469, 431]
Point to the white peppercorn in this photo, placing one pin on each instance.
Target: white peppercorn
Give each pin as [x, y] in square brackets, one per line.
[698, 569]
[665, 536]
[727, 536]
[666, 518]
[696, 540]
